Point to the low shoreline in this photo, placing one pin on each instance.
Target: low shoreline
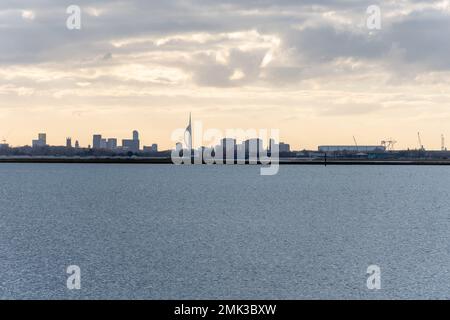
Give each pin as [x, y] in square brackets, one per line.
[142, 160]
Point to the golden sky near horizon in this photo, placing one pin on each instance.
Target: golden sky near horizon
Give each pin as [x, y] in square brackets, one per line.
[315, 72]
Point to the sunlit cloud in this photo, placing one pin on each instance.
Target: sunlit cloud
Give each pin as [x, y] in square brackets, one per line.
[28, 15]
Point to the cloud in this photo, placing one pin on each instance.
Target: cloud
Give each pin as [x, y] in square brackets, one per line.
[182, 47]
[28, 15]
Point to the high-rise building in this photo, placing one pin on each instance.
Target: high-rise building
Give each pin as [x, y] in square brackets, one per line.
[240, 151]
[111, 143]
[132, 145]
[43, 138]
[228, 148]
[284, 147]
[68, 142]
[77, 145]
[41, 141]
[253, 147]
[103, 143]
[96, 140]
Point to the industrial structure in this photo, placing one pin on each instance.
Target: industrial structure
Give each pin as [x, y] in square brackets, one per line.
[347, 148]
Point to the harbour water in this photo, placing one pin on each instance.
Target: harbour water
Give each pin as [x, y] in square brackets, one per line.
[226, 232]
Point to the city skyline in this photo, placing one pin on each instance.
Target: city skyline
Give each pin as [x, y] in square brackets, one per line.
[98, 141]
[102, 141]
[134, 144]
[317, 73]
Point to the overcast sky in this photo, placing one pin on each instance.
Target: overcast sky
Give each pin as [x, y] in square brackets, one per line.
[309, 68]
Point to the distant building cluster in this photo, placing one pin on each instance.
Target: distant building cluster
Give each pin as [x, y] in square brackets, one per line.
[128, 145]
[228, 148]
[98, 143]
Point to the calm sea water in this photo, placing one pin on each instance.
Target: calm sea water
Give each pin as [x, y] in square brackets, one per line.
[186, 232]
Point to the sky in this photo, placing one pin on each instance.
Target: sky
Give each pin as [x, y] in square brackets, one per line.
[312, 69]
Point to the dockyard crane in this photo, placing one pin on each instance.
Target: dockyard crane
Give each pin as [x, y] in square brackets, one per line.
[356, 143]
[420, 142]
[389, 144]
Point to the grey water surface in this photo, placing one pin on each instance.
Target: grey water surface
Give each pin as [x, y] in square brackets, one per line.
[226, 232]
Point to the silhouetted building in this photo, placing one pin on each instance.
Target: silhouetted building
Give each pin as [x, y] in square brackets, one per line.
[133, 144]
[240, 151]
[103, 143]
[253, 147]
[77, 145]
[152, 148]
[111, 144]
[41, 141]
[228, 148]
[96, 140]
[284, 147]
[69, 142]
[351, 148]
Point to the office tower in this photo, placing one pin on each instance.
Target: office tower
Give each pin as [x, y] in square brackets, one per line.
[96, 141]
[228, 148]
[132, 145]
[111, 143]
[77, 145]
[284, 147]
[4, 145]
[253, 147]
[240, 151]
[43, 138]
[68, 142]
[102, 143]
[41, 141]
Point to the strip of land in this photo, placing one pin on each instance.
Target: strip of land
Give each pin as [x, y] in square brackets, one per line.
[159, 160]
